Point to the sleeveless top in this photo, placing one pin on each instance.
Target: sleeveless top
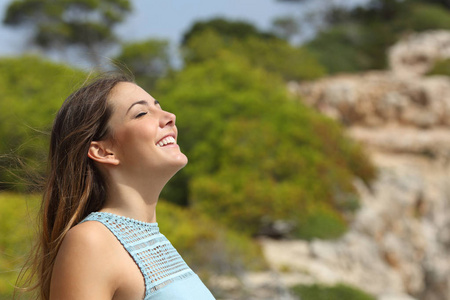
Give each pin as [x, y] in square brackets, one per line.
[166, 274]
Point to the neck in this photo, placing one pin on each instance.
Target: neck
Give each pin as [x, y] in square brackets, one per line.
[134, 194]
[130, 201]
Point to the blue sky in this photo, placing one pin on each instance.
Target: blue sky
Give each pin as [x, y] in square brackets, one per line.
[168, 19]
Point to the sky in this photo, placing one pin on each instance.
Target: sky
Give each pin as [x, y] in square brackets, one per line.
[169, 19]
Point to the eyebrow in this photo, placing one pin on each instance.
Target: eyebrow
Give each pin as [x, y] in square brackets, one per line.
[141, 102]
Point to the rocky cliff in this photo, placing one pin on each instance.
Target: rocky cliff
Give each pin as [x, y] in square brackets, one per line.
[398, 246]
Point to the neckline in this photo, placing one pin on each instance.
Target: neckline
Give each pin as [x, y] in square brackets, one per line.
[153, 225]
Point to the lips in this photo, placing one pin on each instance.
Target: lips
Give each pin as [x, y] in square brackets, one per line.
[167, 140]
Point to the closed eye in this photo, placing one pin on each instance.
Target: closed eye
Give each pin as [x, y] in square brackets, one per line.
[141, 114]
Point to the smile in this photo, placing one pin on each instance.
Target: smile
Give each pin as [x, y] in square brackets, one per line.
[166, 141]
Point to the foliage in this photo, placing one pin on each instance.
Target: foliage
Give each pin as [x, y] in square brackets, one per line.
[340, 49]
[357, 39]
[257, 154]
[276, 56]
[60, 23]
[16, 237]
[148, 60]
[441, 67]
[31, 91]
[337, 292]
[227, 29]
[286, 27]
[206, 246]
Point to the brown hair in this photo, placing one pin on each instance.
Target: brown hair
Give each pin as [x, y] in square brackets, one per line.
[74, 186]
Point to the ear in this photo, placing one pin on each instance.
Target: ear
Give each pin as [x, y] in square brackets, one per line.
[99, 152]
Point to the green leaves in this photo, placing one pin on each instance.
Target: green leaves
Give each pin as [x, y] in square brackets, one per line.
[358, 39]
[31, 91]
[336, 292]
[148, 60]
[61, 23]
[272, 54]
[256, 154]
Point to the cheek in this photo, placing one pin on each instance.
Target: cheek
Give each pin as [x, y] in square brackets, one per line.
[133, 141]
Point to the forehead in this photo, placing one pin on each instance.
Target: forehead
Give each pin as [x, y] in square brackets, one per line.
[126, 93]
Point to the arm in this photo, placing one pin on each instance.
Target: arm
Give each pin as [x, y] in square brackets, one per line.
[83, 268]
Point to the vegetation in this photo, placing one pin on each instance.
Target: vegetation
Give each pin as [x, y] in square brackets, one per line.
[228, 30]
[337, 292]
[59, 24]
[441, 67]
[31, 91]
[17, 226]
[357, 38]
[270, 53]
[257, 155]
[147, 60]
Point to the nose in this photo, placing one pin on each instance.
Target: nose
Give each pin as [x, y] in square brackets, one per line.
[167, 119]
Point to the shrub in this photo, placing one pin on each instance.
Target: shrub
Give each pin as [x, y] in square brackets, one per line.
[337, 292]
[256, 155]
[441, 67]
[277, 56]
[208, 247]
[31, 91]
[16, 236]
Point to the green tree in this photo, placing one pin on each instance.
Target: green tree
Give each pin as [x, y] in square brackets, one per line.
[278, 56]
[31, 91]
[355, 38]
[59, 24]
[256, 155]
[148, 60]
[286, 27]
[227, 29]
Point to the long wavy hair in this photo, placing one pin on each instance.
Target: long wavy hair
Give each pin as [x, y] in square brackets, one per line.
[74, 187]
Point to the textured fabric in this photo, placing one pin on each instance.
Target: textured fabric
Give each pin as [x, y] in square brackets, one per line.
[166, 274]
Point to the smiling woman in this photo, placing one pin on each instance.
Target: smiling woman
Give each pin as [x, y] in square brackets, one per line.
[112, 150]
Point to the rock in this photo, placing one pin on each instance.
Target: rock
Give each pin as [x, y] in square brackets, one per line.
[416, 54]
[379, 98]
[394, 296]
[433, 143]
[397, 246]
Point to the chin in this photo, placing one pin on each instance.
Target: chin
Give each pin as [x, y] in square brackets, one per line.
[179, 162]
[183, 160]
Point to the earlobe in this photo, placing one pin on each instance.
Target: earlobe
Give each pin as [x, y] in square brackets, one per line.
[100, 153]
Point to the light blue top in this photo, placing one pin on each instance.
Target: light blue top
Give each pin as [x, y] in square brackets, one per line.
[166, 274]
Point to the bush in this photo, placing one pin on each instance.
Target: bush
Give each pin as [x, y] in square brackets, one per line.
[208, 247]
[357, 38]
[256, 155]
[31, 91]
[17, 229]
[337, 292]
[441, 67]
[277, 56]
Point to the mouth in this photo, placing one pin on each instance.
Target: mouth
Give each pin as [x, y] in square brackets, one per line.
[167, 140]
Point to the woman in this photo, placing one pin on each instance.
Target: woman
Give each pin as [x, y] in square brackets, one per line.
[113, 148]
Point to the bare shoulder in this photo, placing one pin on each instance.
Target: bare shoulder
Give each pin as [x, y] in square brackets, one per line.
[81, 269]
[88, 236]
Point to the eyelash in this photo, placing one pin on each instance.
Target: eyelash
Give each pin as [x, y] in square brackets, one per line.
[141, 114]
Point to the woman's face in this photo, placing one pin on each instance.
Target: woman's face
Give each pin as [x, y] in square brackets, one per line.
[143, 135]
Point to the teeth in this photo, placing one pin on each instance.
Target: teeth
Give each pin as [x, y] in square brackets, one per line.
[165, 141]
